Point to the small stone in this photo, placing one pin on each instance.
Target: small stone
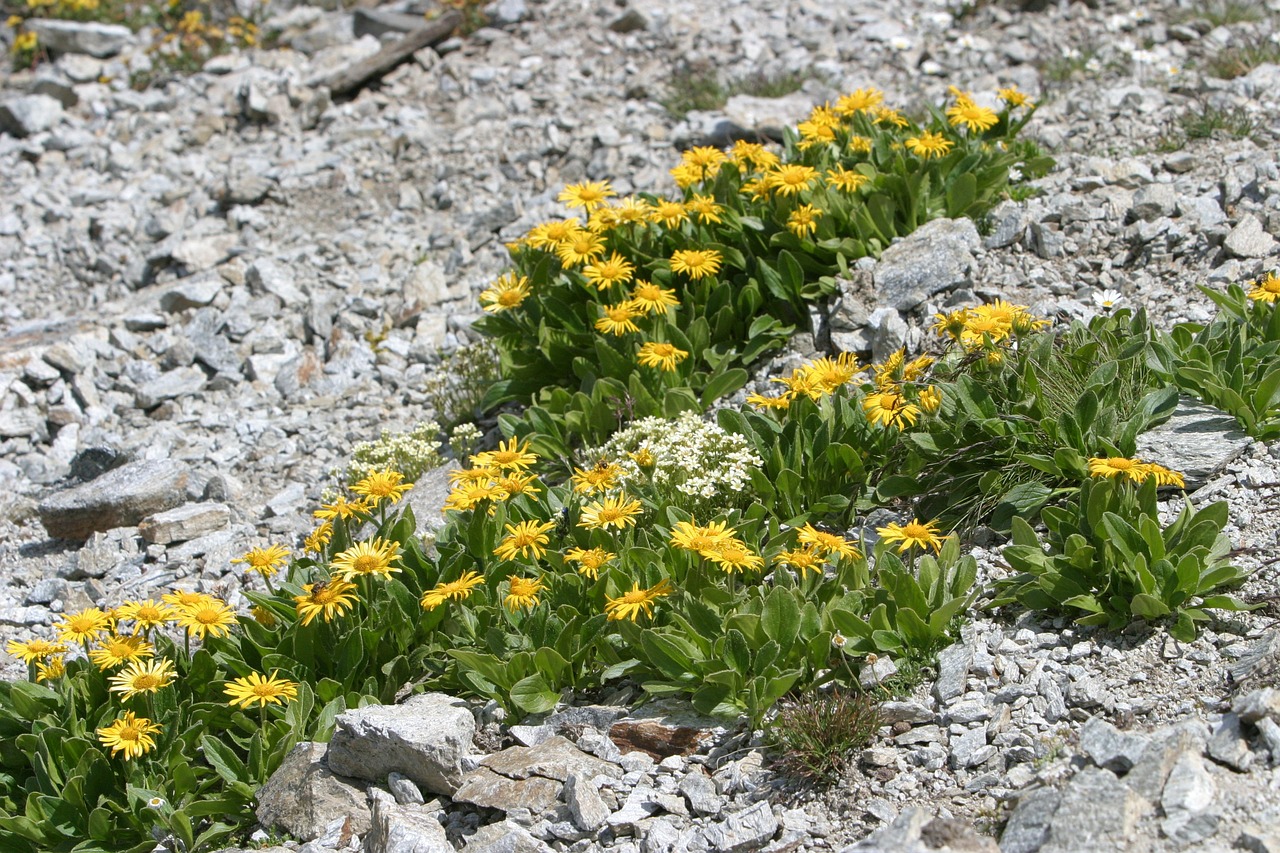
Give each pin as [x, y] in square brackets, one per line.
[1248, 239]
[629, 21]
[1227, 744]
[874, 674]
[1255, 839]
[1028, 826]
[1109, 747]
[586, 807]
[1154, 201]
[953, 671]
[170, 385]
[184, 523]
[1257, 704]
[1190, 787]
[971, 748]
[746, 830]
[28, 115]
[194, 292]
[699, 789]
[404, 789]
[1270, 733]
[399, 828]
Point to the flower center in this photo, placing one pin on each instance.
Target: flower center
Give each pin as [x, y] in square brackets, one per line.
[208, 617]
[915, 531]
[635, 596]
[265, 690]
[366, 564]
[146, 681]
[129, 733]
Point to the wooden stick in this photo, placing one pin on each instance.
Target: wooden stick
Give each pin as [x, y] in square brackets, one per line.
[357, 75]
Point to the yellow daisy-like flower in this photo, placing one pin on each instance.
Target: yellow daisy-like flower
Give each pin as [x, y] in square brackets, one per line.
[382, 485]
[504, 294]
[1118, 467]
[115, 650]
[582, 247]
[317, 539]
[631, 604]
[803, 221]
[1165, 476]
[522, 592]
[733, 555]
[263, 616]
[342, 508]
[261, 690]
[367, 558]
[146, 614]
[209, 617]
[549, 235]
[600, 478]
[753, 154]
[51, 669]
[705, 159]
[142, 676]
[815, 133]
[804, 559]
[888, 117]
[845, 180]
[827, 544]
[619, 319]
[931, 399]
[889, 408]
[183, 598]
[644, 458]
[83, 626]
[696, 263]
[1265, 289]
[914, 534]
[1015, 98]
[705, 208]
[667, 213]
[653, 299]
[791, 178]
[265, 561]
[458, 590]
[632, 211]
[588, 195]
[780, 402]
[825, 375]
[663, 356]
[611, 512]
[589, 561]
[974, 117]
[25, 42]
[468, 496]
[685, 175]
[858, 101]
[517, 484]
[528, 538]
[704, 540]
[602, 219]
[330, 598]
[131, 735]
[509, 456]
[34, 650]
[859, 144]
[612, 270]
[929, 144]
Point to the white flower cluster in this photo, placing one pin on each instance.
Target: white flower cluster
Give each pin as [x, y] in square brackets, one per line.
[411, 453]
[696, 464]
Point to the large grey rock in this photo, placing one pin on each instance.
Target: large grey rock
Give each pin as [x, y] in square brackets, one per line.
[768, 117]
[303, 796]
[1109, 747]
[1227, 744]
[1150, 774]
[1248, 239]
[28, 115]
[399, 828]
[21, 423]
[95, 39]
[531, 777]
[1198, 440]
[170, 385]
[936, 257]
[1260, 665]
[953, 671]
[504, 837]
[1154, 201]
[1257, 704]
[700, 790]
[119, 498]
[750, 829]
[1028, 826]
[424, 739]
[184, 523]
[1190, 787]
[916, 831]
[1097, 812]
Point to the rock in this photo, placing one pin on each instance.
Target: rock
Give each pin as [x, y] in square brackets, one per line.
[916, 831]
[872, 675]
[1198, 441]
[377, 22]
[1190, 787]
[504, 837]
[1248, 239]
[971, 748]
[953, 671]
[1260, 665]
[629, 21]
[699, 789]
[396, 828]
[242, 187]
[1150, 774]
[202, 253]
[530, 777]
[120, 498]
[90, 37]
[28, 115]
[268, 276]
[504, 13]
[656, 739]
[93, 462]
[1009, 221]
[747, 830]
[184, 523]
[424, 739]
[751, 116]
[170, 385]
[1257, 704]
[194, 292]
[1096, 812]
[1269, 731]
[586, 806]
[1154, 201]
[1255, 839]
[303, 796]
[936, 257]
[1227, 744]
[22, 423]
[1109, 747]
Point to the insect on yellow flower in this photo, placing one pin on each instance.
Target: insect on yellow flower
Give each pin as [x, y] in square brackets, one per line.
[661, 355]
[528, 538]
[328, 598]
[696, 263]
[1265, 289]
[614, 511]
[504, 294]
[589, 561]
[913, 534]
[599, 478]
[522, 592]
[130, 734]
[631, 604]
[458, 590]
[256, 688]
[142, 677]
[265, 561]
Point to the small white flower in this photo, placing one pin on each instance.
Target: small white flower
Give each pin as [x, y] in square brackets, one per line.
[1107, 299]
[900, 43]
[156, 803]
[1015, 174]
[839, 640]
[1172, 70]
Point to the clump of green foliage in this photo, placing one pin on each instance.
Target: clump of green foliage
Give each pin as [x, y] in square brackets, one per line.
[698, 87]
[817, 733]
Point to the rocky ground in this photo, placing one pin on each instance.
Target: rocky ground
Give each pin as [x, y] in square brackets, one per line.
[213, 287]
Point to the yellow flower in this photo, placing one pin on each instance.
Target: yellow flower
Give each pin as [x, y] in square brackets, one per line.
[889, 408]
[791, 178]
[814, 133]
[931, 399]
[1015, 98]
[517, 484]
[845, 180]
[263, 616]
[644, 458]
[210, 617]
[759, 401]
[342, 508]
[367, 558]
[13, 22]
[142, 676]
[382, 485]
[753, 154]
[504, 294]
[467, 496]
[733, 555]
[668, 213]
[661, 355]
[1266, 289]
[611, 512]
[330, 598]
[860, 144]
[685, 175]
[265, 561]
[824, 375]
[510, 456]
[600, 478]
[827, 544]
[613, 270]
[631, 604]
[34, 650]
[589, 561]
[522, 592]
[803, 221]
[805, 559]
[886, 116]
[705, 208]
[580, 248]
[318, 538]
[652, 299]
[588, 195]
[859, 100]
[929, 144]
[146, 614]
[115, 650]
[974, 117]
[25, 42]
[1118, 467]
[952, 323]
[702, 540]
[129, 734]
[528, 538]
[549, 235]
[618, 319]
[632, 210]
[83, 626]
[183, 598]
[1165, 476]
[457, 590]
[913, 534]
[48, 670]
[705, 159]
[260, 689]
[696, 263]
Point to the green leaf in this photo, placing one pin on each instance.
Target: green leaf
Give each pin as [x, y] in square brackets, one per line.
[1149, 607]
[533, 695]
[723, 384]
[736, 652]
[224, 760]
[781, 615]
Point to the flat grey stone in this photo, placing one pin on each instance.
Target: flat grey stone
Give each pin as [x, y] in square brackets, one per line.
[487, 789]
[194, 292]
[586, 806]
[1197, 441]
[747, 830]
[1227, 744]
[303, 796]
[170, 385]
[121, 497]
[396, 828]
[1154, 201]
[504, 837]
[376, 22]
[557, 758]
[936, 257]
[27, 115]
[89, 37]
[1248, 239]
[1109, 747]
[700, 790]
[953, 671]
[1190, 787]
[424, 739]
[184, 523]
[1096, 812]
[1257, 704]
